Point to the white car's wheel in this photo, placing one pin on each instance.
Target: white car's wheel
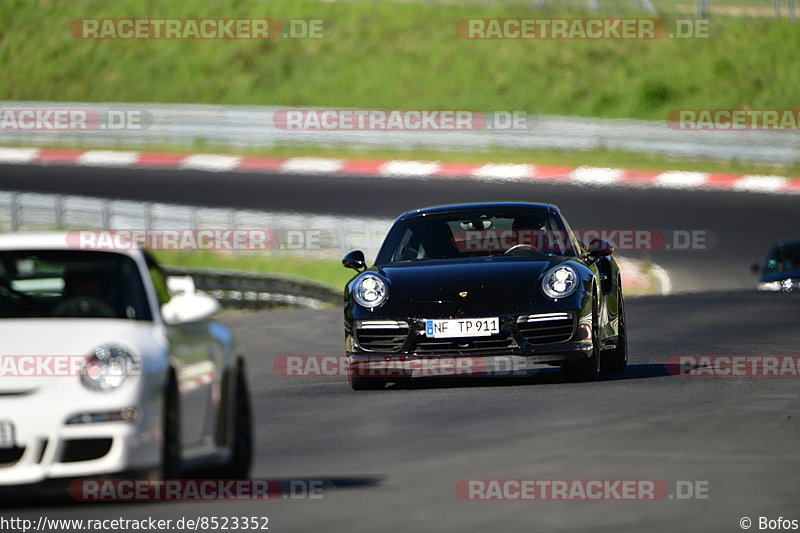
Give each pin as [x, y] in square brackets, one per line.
[242, 440]
[171, 461]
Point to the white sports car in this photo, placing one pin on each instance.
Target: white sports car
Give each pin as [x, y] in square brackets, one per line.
[109, 367]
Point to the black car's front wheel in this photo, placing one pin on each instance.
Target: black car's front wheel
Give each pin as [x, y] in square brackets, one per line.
[616, 359]
[588, 368]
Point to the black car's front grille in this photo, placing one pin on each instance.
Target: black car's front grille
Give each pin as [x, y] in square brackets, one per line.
[381, 335]
[547, 328]
[466, 344]
[10, 456]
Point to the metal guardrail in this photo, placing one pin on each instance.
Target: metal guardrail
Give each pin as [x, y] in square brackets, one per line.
[240, 127]
[250, 291]
[333, 236]
[233, 289]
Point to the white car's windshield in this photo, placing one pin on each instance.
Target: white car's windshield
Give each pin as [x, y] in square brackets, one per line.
[76, 284]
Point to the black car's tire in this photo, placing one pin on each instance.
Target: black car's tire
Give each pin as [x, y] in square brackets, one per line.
[615, 361]
[588, 368]
[171, 458]
[362, 383]
[242, 439]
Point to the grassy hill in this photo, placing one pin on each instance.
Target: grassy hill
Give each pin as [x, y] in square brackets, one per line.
[392, 55]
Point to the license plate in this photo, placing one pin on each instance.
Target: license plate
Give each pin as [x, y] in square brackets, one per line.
[6, 435]
[461, 327]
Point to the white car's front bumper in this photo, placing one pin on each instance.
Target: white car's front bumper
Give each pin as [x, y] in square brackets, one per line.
[46, 447]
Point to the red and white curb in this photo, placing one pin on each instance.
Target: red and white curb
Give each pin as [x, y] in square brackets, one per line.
[507, 172]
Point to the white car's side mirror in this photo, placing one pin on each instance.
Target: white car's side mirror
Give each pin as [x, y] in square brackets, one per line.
[192, 307]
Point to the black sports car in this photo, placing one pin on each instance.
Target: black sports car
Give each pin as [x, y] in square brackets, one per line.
[781, 269]
[485, 280]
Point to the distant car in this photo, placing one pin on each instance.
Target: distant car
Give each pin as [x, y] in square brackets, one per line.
[781, 269]
[129, 378]
[484, 280]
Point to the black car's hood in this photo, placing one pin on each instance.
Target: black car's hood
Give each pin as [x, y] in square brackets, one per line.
[484, 278]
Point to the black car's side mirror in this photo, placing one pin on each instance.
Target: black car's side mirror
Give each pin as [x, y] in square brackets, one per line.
[355, 260]
[600, 248]
[755, 268]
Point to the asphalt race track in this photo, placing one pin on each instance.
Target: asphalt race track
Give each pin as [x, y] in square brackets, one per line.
[395, 456]
[740, 226]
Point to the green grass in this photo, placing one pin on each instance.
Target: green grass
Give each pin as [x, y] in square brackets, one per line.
[393, 55]
[327, 271]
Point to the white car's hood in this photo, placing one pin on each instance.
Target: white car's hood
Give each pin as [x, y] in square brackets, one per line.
[68, 338]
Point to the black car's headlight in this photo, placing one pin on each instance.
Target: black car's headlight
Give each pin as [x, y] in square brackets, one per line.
[370, 291]
[108, 367]
[560, 281]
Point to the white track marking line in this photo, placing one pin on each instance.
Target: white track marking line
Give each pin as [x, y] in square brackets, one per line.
[312, 165]
[409, 169]
[760, 183]
[507, 171]
[596, 175]
[106, 158]
[210, 162]
[681, 180]
[18, 155]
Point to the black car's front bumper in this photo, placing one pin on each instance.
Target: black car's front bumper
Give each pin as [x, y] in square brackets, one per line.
[543, 338]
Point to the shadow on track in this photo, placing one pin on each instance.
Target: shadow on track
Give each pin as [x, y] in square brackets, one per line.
[546, 376]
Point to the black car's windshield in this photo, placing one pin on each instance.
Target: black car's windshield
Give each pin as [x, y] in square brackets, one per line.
[462, 234]
[77, 284]
[784, 259]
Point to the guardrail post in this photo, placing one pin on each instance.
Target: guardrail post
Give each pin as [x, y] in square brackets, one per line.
[105, 212]
[647, 5]
[232, 220]
[703, 8]
[59, 207]
[16, 215]
[148, 216]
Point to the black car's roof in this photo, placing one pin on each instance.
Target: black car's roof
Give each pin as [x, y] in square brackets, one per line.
[454, 208]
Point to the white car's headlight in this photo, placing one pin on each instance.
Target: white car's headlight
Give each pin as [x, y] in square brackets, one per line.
[370, 291]
[560, 281]
[108, 367]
